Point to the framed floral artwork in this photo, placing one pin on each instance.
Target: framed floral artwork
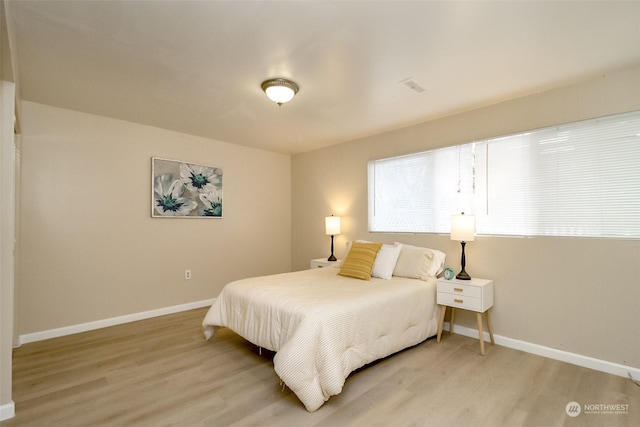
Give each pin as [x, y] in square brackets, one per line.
[185, 190]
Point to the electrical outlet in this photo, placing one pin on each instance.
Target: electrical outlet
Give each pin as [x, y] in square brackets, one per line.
[187, 275]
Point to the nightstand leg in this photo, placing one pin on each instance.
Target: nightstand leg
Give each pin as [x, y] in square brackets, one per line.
[453, 316]
[443, 310]
[489, 328]
[480, 333]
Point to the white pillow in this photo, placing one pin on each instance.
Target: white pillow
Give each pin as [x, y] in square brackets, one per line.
[419, 262]
[438, 259]
[386, 261]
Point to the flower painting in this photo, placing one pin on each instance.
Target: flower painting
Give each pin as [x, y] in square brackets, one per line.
[185, 190]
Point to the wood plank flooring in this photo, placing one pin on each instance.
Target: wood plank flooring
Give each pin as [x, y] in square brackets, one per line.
[161, 372]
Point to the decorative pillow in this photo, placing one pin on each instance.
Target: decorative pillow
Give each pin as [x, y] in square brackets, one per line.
[386, 261]
[417, 262]
[359, 240]
[438, 265]
[359, 261]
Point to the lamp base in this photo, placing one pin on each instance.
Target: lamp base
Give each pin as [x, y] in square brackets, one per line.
[463, 262]
[332, 257]
[463, 276]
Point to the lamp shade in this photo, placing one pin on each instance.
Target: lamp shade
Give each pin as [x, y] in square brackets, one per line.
[332, 225]
[279, 90]
[463, 228]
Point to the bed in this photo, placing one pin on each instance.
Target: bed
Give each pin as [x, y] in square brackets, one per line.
[323, 325]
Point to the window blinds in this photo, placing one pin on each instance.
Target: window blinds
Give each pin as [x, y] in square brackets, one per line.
[417, 193]
[579, 179]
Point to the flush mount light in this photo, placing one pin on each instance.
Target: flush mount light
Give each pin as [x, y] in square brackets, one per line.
[279, 90]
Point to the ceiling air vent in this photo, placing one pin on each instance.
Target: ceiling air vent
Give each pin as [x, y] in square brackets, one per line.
[411, 84]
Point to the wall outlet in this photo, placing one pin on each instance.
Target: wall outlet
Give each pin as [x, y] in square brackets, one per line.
[187, 275]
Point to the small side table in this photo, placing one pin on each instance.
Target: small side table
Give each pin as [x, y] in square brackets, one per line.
[322, 263]
[473, 295]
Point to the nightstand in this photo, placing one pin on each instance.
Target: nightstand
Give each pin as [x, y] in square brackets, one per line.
[322, 262]
[473, 295]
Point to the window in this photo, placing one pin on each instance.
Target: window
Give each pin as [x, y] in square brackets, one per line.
[578, 179]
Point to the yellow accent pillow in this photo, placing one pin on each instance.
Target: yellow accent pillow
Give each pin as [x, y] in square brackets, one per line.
[360, 259]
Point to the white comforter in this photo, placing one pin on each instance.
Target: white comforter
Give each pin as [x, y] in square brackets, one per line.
[323, 326]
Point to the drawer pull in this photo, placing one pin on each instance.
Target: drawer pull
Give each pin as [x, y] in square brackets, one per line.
[458, 289]
[459, 301]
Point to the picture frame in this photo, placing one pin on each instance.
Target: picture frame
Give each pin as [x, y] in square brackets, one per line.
[185, 189]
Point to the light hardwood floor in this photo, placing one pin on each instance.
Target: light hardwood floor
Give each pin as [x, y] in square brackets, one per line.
[161, 372]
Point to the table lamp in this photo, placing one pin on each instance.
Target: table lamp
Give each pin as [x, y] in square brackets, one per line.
[463, 230]
[332, 227]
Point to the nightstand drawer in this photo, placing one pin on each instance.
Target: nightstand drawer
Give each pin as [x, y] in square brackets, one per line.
[324, 263]
[460, 289]
[460, 301]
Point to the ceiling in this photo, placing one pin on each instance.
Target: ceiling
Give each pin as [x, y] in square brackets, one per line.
[196, 66]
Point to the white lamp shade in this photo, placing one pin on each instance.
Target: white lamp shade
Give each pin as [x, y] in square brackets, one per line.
[332, 225]
[463, 228]
[279, 94]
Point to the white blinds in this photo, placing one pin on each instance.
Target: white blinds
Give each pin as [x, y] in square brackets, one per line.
[579, 179]
[418, 192]
[400, 195]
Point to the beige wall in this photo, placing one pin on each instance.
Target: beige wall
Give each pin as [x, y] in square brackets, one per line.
[89, 249]
[577, 295]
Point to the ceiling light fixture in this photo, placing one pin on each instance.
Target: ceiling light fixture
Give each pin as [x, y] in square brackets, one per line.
[279, 90]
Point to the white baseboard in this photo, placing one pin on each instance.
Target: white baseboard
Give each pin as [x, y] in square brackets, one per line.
[551, 353]
[98, 324]
[8, 410]
[555, 354]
